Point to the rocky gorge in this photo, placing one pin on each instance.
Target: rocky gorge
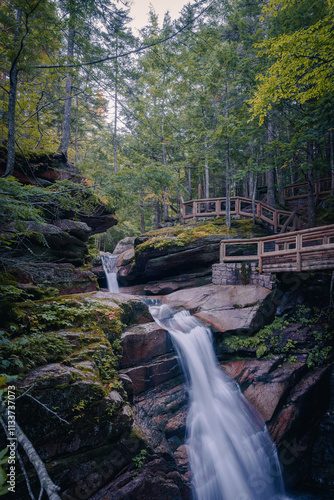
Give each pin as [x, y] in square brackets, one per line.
[99, 389]
[111, 378]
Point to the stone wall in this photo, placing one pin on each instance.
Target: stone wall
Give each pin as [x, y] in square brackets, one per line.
[241, 273]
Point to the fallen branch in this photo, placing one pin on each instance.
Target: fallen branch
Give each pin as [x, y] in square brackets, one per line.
[46, 482]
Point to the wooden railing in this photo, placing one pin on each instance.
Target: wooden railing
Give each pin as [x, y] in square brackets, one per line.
[306, 250]
[216, 207]
[322, 187]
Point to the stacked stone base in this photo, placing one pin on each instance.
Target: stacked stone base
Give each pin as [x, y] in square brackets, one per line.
[241, 273]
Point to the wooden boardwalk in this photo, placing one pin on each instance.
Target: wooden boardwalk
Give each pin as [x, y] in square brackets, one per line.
[279, 220]
[306, 250]
[322, 188]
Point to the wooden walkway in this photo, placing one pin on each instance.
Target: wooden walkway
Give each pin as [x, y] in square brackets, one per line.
[306, 250]
[322, 188]
[279, 220]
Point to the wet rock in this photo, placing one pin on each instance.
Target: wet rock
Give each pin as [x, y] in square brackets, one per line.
[152, 264]
[77, 229]
[142, 343]
[161, 414]
[152, 374]
[291, 400]
[67, 278]
[124, 245]
[241, 309]
[267, 397]
[175, 283]
[158, 479]
[134, 310]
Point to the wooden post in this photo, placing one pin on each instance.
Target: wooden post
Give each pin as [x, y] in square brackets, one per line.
[183, 208]
[299, 243]
[260, 247]
[222, 251]
[237, 206]
[275, 214]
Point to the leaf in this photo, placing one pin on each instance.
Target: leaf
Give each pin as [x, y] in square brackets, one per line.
[3, 476]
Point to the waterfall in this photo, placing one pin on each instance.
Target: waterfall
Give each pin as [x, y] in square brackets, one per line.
[230, 451]
[109, 263]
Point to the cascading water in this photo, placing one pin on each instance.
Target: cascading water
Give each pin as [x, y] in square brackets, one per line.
[230, 451]
[109, 263]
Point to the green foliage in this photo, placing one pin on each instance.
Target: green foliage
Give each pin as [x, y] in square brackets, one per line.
[3, 475]
[272, 340]
[106, 362]
[24, 345]
[27, 352]
[301, 60]
[139, 460]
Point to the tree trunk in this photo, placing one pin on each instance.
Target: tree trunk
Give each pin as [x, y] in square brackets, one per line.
[141, 204]
[245, 191]
[271, 173]
[189, 182]
[66, 129]
[331, 153]
[76, 129]
[228, 181]
[310, 187]
[253, 193]
[156, 214]
[13, 78]
[115, 109]
[164, 162]
[207, 180]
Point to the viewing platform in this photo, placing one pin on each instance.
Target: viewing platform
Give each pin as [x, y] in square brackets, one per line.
[279, 220]
[256, 260]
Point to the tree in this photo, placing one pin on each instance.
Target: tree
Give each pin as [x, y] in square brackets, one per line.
[302, 61]
[25, 36]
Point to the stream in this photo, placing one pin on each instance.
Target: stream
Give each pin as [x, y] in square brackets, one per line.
[231, 454]
[230, 451]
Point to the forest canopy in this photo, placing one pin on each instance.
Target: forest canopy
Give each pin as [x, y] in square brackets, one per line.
[232, 98]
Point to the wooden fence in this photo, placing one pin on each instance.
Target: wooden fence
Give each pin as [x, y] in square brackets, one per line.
[216, 207]
[306, 250]
[322, 187]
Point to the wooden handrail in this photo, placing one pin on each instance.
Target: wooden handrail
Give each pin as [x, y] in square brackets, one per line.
[318, 190]
[302, 250]
[274, 220]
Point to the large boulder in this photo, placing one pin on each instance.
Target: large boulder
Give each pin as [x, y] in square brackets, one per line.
[184, 249]
[241, 309]
[74, 407]
[66, 278]
[292, 401]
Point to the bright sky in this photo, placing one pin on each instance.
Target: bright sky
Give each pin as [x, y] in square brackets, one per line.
[140, 9]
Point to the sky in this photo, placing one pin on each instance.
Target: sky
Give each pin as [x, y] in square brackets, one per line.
[140, 9]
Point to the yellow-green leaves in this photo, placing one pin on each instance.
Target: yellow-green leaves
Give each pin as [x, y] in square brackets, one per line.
[302, 64]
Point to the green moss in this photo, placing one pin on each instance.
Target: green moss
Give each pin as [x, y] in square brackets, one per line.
[106, 362]
[182, 235]
[27, 352]
[25, 345]
[272, 340]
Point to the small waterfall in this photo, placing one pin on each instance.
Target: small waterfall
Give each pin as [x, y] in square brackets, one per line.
[230, 451]
[109, 263]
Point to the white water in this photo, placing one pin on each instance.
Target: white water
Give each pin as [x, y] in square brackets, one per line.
[109, 263]
[231, 454]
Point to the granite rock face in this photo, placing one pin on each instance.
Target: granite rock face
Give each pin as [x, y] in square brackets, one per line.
[125, 437]
[67, 278]
[290, 397]
[173, 260]
[240, 309]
